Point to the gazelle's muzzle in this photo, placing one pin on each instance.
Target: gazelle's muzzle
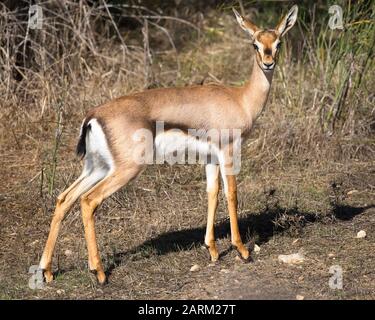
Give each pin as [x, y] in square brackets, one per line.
[268, 66]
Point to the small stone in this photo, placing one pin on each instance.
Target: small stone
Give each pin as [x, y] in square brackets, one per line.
[301, 278]
[331, 255]
[60, 291]
[295, 241]
[256, 248]
[224, 270]
[68, 252]
[237, 258]
[352, 192]
[361, 234]
[194, 268]
[299, 297]
[294, 258]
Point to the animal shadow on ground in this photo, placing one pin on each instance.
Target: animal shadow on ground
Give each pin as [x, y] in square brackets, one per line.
[264, 225]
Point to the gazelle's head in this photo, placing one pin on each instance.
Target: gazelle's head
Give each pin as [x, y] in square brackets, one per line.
[267, 42]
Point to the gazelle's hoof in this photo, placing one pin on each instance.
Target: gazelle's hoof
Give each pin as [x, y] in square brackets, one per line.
[48, 276]
[214, 254]
[243, 253]
[246, 260]
[100, 277]
[214, 257]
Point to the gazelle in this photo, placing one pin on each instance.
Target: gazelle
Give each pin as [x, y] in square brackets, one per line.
[107, 142]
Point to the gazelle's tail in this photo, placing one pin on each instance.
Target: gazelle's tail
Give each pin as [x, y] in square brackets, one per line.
[81, 146]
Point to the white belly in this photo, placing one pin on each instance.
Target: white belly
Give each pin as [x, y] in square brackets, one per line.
[178, 147]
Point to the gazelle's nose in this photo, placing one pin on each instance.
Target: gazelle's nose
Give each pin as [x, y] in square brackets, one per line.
[269, 65]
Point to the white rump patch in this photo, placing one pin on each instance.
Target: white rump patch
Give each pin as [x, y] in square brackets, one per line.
[98, 159]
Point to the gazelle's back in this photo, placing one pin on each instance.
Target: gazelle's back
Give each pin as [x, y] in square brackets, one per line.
[197, 107]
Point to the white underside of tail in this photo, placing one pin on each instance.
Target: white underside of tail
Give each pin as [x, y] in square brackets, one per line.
[98, 161]
[98, 154]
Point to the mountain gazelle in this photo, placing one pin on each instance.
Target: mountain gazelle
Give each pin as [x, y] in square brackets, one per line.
[107, 143]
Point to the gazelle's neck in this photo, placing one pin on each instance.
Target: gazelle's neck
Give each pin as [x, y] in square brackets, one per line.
[256, 91]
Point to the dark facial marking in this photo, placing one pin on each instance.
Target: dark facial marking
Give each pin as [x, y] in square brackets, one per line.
[268, 51]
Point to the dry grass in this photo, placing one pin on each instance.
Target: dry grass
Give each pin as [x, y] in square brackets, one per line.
[297, 166]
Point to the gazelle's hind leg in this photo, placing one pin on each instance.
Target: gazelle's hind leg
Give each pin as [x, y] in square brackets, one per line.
[91, 200]
[64, 203]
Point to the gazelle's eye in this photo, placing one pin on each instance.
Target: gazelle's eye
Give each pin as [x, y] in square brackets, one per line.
[278, 46]
[255, 47]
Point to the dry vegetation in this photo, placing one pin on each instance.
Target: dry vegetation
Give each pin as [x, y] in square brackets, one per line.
[307, 170]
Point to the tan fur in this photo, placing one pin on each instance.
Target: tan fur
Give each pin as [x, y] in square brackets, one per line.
[196, 107]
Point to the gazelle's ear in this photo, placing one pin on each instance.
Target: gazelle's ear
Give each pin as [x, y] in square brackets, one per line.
[245, 24]
[288, 21]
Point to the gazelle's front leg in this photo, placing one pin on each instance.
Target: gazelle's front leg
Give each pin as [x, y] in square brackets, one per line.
[230, 186]
[213, 186]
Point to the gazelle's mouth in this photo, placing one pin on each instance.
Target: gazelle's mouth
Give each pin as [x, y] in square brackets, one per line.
[268, 67]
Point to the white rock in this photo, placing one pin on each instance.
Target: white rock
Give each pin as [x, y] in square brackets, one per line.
[352, 192]
[68, 252]
[256, 248]
[294, 258]
[194, 268]
[299, 297]
[224, 270]
[361, 234]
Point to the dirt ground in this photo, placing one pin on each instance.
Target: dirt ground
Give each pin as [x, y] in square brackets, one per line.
[151, 233]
